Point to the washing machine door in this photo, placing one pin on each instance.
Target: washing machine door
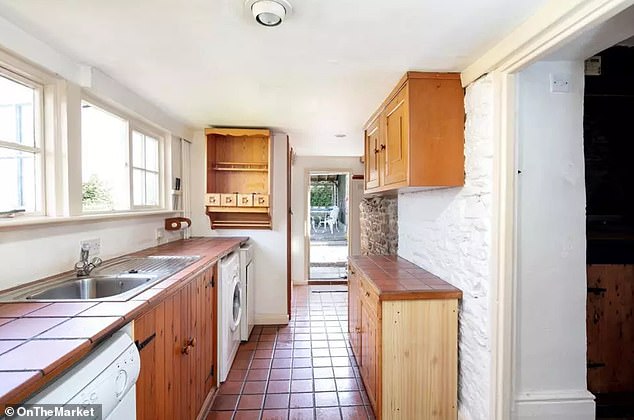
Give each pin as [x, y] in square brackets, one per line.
[236, 306]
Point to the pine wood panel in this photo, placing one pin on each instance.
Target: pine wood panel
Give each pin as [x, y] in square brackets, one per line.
[147, 384]
[354, 313]
[370, 364]
[436, 132]
[397, 139]
[208, 331]
[372, 151]
[610, 328]
[173, 372]
[238, 132]
[419, 356]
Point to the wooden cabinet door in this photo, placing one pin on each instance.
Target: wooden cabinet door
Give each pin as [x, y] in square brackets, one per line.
[396, 147]
[369, 353]
[354, 314]
[372, 153]
[149, 335]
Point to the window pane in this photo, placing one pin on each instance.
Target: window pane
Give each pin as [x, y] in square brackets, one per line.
[151, 154]
[151, 189]
[17, 112]
[18, 175]
[105, 171]
[138, 187]
[137, 150]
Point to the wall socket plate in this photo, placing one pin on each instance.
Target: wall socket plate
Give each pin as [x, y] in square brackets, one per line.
[160, 233]
[94, 246]
[559, 83]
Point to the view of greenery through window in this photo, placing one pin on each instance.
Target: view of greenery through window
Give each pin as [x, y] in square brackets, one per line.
[321, 195]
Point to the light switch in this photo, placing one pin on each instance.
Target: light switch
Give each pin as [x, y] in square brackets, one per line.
[559, 83]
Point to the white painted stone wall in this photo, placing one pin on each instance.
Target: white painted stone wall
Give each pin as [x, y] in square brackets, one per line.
[448, 232]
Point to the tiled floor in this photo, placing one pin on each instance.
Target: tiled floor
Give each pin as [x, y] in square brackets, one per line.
[301, 371]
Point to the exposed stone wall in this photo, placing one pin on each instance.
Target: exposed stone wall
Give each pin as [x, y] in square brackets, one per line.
[448, 232]
[379, 226]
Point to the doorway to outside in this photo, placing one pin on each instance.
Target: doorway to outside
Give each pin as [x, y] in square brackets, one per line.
[328, 225]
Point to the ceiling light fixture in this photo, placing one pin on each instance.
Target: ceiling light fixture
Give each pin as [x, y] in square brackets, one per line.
[340, 136]
[269, 12]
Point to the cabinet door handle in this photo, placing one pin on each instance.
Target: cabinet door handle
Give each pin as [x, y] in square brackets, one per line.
[187, 349]
[357, 329]
[367, 294]
[376, 151]
[382, 147]
[193, 341]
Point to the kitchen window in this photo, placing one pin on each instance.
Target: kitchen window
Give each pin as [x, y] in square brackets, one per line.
[109, 143]
[21, 162]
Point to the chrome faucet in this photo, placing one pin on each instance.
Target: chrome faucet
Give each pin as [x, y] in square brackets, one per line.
[83, 267]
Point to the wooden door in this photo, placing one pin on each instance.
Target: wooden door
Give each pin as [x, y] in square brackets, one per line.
[369, 353]
[149, 336]
[372, 153]
[610, 328]
[396, 146]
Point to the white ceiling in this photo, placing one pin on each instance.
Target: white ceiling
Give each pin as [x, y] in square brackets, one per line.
[322, 72]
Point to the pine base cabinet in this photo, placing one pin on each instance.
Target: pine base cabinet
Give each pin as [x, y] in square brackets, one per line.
[177, 352]
[406, 350]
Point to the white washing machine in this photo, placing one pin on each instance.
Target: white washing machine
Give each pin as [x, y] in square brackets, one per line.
[247, 276]
[229, 313]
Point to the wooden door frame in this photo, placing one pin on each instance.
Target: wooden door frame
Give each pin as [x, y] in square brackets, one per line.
[289, 214]
[548, 30]
[307, 173]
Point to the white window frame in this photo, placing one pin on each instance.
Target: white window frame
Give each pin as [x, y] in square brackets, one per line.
[134, 124]
[38, 133]
[148, 132]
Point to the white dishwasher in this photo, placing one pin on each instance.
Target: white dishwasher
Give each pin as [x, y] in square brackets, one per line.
[107, 376]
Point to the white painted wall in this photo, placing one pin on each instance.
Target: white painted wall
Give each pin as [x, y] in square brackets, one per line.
[299, 200]
[270, 245]
[448, 232]
[550, 375]
[31, 253]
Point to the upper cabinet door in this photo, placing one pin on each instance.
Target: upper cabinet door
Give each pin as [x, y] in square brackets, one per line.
[372, 151]
[396, 147]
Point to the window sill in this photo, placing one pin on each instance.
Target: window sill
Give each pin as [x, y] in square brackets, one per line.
[19, 221]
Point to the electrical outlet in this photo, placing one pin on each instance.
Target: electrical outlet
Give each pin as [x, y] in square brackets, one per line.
[559, 83]
[94, 246]
[160, 232]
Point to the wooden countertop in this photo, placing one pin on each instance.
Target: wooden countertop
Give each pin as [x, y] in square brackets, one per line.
[39, 341]
[395, 278]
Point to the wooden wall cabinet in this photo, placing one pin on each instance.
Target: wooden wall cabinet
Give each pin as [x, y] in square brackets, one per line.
[415, 139]
[178, 352]
[238, 178]
[406, 351]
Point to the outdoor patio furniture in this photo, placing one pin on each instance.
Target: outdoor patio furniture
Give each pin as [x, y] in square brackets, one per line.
[332, 220]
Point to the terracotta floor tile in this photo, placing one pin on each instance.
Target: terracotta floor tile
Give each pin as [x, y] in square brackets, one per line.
[324, 372]
[343, 372]
[230, 388]
[354, 413]
[279, 387]
[302, 385]
[331, 413]
[275, 415]
[261, 363]
[257, 375]
[251, 402]
[254, 387]
[302, 400]
[225, 402]
[346, 384]
[326, 399]
[322, 361]
[301, 414]
[324, 385]
[220, 415]
[302, 362]
[247, 415]
[301, 353]
[279, 374]
[237, 375]
[282, 363]
[350, 398]
[241, 364]
[276, 401]
[263, 354]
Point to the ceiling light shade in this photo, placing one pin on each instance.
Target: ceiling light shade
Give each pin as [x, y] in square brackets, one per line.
[269, 12]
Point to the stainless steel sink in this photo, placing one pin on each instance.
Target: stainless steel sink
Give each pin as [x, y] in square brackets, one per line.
[118, 280]
[92, 288]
